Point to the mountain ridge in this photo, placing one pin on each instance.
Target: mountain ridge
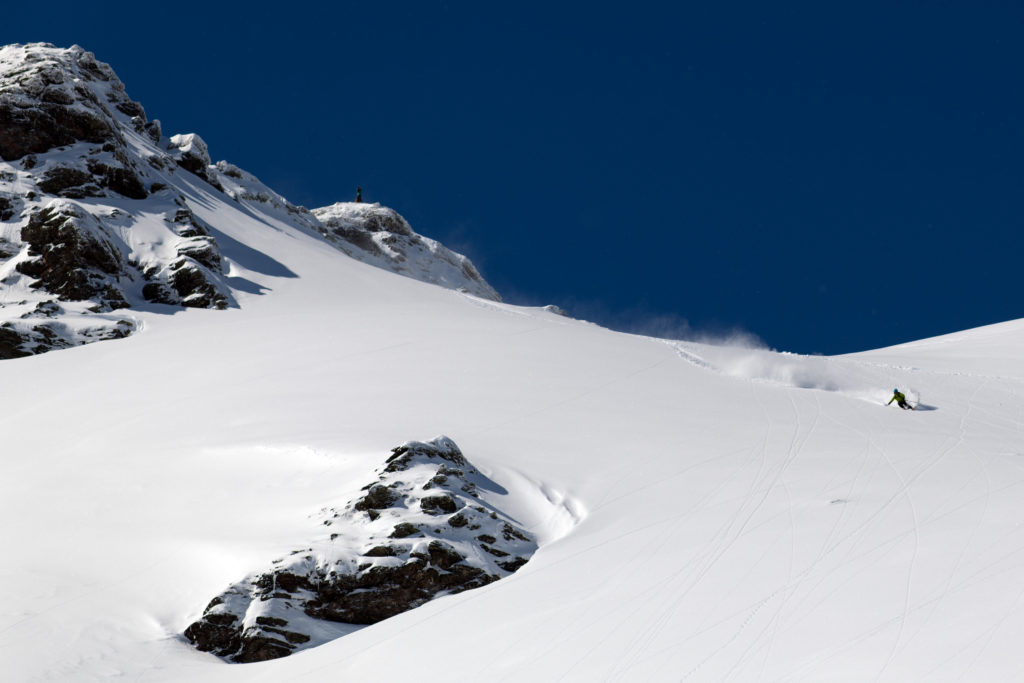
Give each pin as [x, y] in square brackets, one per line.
[96, 218]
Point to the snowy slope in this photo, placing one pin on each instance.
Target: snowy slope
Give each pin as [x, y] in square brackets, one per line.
[703, 513]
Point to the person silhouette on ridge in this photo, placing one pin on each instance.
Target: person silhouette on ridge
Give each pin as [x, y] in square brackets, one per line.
[900, 399]
[359, 195]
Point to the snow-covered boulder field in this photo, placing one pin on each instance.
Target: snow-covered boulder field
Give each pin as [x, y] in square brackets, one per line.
[420, 531]
[98, 211]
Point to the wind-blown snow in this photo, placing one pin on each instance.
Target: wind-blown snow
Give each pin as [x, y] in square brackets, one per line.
[703, 513]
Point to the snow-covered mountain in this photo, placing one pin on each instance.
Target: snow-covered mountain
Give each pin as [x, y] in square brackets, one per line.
[98, 211]
[700, 513]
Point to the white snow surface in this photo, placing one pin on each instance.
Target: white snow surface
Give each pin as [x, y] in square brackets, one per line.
[704, 513]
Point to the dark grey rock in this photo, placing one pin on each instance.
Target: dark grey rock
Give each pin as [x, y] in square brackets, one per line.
[73, 256]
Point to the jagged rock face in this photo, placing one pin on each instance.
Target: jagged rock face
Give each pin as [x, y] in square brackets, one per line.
[72, 267]
[73, 256]
[421, 530]
[54, 98]
[68, 132]
[380, 236]
[191, 153]
[191, 277]
[46, 101]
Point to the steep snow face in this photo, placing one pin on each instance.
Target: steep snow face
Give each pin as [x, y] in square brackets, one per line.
[98, 210]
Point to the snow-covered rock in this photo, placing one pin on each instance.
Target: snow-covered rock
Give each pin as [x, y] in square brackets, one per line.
[421, 530]
[88, 222]
[191, 153]
[51, 98]
[379, 235]
[98, 209]
[73, 255]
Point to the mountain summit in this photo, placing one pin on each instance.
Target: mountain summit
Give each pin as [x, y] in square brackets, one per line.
[98, 211]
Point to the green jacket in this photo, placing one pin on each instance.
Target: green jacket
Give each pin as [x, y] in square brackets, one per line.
[898, 397]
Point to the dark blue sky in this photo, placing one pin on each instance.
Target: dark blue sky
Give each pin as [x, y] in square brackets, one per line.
[830, 177]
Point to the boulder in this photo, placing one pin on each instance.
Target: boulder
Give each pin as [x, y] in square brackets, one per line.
[416, 548]
[381, 237]
[73, 255]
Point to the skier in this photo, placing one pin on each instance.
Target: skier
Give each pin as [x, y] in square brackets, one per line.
[900, 399]
[359, 194]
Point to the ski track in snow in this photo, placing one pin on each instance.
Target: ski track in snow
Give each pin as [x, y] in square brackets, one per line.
[983, 467]
[904, 491]
[767, 490]
[934, 600]
[725, 539]
[793, 450]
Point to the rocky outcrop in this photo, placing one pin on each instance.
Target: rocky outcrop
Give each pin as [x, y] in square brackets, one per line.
[424, 528]
[191, 153]
[12, 343]
[52, 98]
[29, 337]
[48, 102]
[191, 275]
[84, 181]
[73, 256]
[380, 236]
[69, 132]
